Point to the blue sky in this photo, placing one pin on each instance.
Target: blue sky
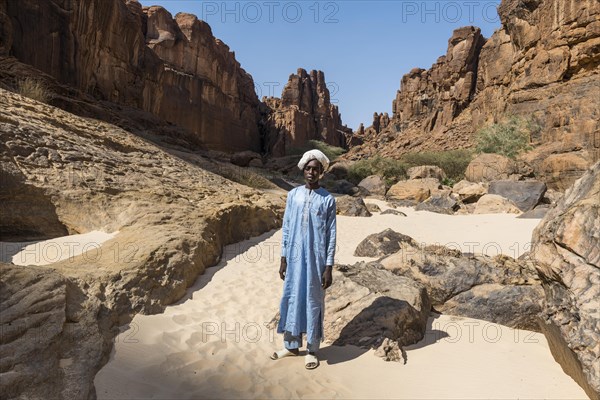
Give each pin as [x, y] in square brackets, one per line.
[363, 47]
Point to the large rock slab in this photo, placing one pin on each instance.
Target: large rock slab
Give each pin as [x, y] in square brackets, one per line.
[525, 194]
[566, 250]
[382, 244]
[474, 286]
[367, 305]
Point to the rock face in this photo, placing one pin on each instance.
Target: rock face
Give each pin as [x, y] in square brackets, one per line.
[542, 63]
[433, 98]
[33, 309]
[497, 289]
[304, 112]
[139, 57]
[76, 175]
[566, 250]
[367, 304]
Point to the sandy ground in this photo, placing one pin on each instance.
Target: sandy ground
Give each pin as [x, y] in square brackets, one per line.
[53, 250]
[215, 343]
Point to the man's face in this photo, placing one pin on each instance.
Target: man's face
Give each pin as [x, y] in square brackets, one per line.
[312, 171]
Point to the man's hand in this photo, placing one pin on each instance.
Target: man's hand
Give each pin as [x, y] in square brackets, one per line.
[327, 278]
[282, 268]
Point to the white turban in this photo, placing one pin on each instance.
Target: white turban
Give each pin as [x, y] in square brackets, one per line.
[314, 155]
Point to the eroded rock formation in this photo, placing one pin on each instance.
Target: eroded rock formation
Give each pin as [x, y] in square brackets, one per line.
[566, 250]
[74, 175]
[304, 112]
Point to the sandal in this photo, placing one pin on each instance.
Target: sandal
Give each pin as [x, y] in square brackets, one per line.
[282, 353]
[311, 361]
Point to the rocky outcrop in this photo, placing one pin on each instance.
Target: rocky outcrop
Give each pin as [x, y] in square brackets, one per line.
[304, 112]
[76, 175]
[433, 98]
[543, 63]
[142, 58]
[368, 307]
[498, 289]
[566, 251]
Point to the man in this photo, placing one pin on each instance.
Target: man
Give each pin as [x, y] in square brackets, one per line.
[308, 250]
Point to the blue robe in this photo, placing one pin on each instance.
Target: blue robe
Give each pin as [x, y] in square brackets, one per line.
[309, 234]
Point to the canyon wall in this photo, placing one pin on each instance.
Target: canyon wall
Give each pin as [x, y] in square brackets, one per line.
[543, 63]
[139, 57]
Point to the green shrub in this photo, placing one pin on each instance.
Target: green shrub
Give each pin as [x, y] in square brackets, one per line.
[453, 162]
[332, 152]
[507, 138]
[34, 89]
[391, 170]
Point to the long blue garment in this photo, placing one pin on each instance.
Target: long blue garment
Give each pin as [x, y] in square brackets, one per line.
[309, 234]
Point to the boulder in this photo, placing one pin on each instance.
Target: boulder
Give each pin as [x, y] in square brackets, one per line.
[441, 203]
[243, 158]
[469, 192]
[560, 171]
[490, 167]
[374, 184]
[426, 171]
[367, 304]
[415, 190]
[497, 289]
[382, 243]
[495, 204]
[351, 206]
[525, 194]
[566, 251]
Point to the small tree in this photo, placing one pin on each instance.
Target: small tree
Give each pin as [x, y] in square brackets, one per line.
[506, 138]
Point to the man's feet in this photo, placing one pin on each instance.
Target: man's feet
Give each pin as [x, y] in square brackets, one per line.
[284, 353]
[311, 361]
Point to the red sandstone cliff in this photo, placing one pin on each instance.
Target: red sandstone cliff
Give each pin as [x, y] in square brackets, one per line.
[139, 57]
[303, 113]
